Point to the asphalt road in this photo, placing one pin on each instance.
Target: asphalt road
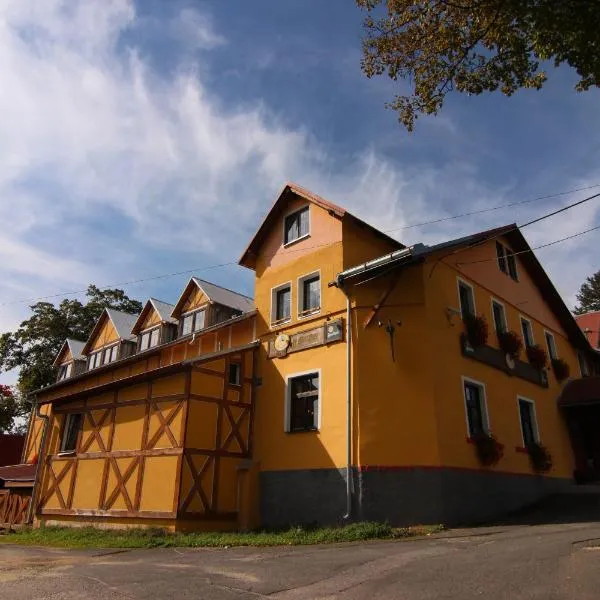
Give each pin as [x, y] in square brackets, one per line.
[520, 559]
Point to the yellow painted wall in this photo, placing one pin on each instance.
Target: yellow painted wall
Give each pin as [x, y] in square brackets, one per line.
[152, 318]
[106, 334]
[501, 389]
[196, 299]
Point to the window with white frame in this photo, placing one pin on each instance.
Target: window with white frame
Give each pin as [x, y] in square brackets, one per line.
[193, 321]
[309, 294]
[499, 315]
[475, 407]
[466, 299]
[507, 262]
[529, 428]
[149, 339]
[281, 304]
[551, 344]
[95, 360]
[235, 371]
[527, 332]
[65, 371]
[302, 402]
[111, 354]
[73, 423]
[296, 225]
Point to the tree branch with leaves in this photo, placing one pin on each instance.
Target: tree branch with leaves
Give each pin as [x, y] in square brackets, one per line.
[476, 46]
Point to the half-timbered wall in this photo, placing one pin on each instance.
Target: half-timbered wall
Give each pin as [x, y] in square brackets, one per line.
[165, 448]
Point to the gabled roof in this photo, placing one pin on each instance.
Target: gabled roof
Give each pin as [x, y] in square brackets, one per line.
[75, 347]
[163, 309]
[289, 191]
[122, 322]
[513, 235]
[215, 294]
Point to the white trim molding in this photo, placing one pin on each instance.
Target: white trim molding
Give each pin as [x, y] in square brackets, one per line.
[485, 414]
[288, 399]
[460, 280]
[536, 430]
[273, 312]
[302, 237]
[521, 319]
[504, 313]
[302, 314]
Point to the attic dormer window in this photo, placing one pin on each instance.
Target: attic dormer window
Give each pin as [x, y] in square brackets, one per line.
[192, 322]
[64, 371]
[149, 339]
[296, 226]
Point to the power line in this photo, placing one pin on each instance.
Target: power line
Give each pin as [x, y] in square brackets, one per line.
[569, 237]
[493, 208]
[231, 263]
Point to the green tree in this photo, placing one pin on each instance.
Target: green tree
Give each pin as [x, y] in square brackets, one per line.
[476, 46]
[589, 295]
[33, 347]
[10, 409]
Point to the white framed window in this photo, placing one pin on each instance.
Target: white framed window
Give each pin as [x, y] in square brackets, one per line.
[281, 304]
[235, 372]
[507, 262]
[499, 314]
[95, 360]
[303, 401]
[296, 225]
[527, 418]
[551, 345]
[309, 294]
[527, 330]
[475, 407]
[193, 321]
[466, 298]
[149, 339]
[70, 434]
[65, 371]
[111, 354]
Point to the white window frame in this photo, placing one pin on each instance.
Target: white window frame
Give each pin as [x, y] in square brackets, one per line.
[148, 332]
[536, 430]
[274, 290]
[67, 369]
[521, 319]
[485, 413]
[300, 283]
[287, 412]
[302, 237]
[192, 313]
[546, 334]
[501, 304]
[108, 352]
[459, 280]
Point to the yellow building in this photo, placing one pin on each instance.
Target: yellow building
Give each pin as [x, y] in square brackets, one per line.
[366, 380]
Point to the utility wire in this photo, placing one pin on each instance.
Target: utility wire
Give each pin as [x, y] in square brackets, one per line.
[484, 260]
[231, 263]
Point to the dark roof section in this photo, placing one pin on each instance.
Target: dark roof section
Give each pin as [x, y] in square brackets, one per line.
[215, 293]
[163, 309]
[513, 235]
[579, 392]
[291, 189]
[17, 473]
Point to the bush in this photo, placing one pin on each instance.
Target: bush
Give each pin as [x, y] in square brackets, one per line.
[537, 356]
[489, 450]
[540, 458]
[561, 369]
[510, 343]
[476, 330]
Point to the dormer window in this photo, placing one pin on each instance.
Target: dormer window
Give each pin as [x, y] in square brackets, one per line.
[65, 371]
[149, 339]
[296, 226]
[506, 261]
[192, 322]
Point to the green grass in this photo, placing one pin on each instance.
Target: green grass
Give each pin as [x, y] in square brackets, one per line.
[90, 537]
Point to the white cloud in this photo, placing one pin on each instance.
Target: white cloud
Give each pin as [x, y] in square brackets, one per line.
[89, 127]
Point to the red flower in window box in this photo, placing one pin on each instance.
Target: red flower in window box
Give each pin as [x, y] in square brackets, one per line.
[537, 356]
[541, 459]
[476, 330]
[510, 343]
[561, 369]
[489, 449]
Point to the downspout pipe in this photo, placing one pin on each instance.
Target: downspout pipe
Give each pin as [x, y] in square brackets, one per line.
[349, 475]
[34, 490]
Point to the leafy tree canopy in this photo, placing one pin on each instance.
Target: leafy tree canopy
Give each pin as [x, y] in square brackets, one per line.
[589, 295]
[476, 46]
[10, 409]
[33, 347]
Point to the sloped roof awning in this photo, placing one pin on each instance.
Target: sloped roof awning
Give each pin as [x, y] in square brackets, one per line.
[17, 474]
[580, 392]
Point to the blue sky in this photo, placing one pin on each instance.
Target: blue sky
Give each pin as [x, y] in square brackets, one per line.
[151, 137]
